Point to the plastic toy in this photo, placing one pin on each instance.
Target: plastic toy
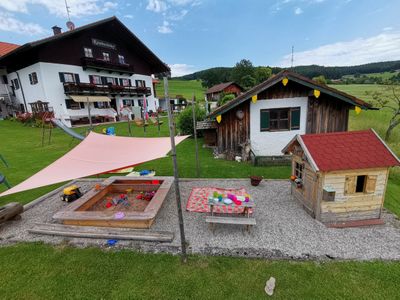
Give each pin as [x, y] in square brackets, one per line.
[108, 204]
[71, 193]
[111, 242]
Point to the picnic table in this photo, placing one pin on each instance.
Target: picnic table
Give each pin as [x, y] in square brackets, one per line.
[245, 218]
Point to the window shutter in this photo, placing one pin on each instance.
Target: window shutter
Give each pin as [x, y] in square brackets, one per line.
[264, 120]
[91, 80]
[121, 83]
[62, 78]
[96, 104]
[295, 118]
[371, 184]
[103, 80]
[30, 78]
[130, 82]
[144, 83]
[82, 104]
[350, 185]
[68, 103]
[77, 78]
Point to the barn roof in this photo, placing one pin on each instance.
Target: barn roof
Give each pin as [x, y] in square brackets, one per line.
[220, 87]
[159, 66]
[7, 47]
[292, 77]
[345, 150]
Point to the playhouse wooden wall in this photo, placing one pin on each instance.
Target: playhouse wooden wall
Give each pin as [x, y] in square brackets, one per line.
[353, 207]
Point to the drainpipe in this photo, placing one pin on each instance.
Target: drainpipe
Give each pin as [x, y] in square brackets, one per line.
[22, 91]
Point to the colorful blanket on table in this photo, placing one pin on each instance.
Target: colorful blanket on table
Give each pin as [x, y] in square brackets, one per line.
[198, 200]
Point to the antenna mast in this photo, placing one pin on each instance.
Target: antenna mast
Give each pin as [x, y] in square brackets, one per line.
[292, 58]
[67, 8]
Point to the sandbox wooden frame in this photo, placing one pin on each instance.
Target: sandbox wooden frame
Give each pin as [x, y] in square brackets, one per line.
[74, 214]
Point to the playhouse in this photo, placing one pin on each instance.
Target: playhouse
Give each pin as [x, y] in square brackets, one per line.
[340, 178]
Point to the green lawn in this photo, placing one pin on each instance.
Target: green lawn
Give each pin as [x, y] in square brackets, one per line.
[186, 88]
[35, 271]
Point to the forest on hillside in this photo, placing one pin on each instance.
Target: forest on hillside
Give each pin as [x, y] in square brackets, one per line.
[223, 74]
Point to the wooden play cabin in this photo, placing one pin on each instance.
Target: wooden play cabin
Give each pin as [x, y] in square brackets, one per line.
[340, 178]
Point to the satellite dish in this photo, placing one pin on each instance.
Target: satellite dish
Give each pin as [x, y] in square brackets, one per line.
[70, 25]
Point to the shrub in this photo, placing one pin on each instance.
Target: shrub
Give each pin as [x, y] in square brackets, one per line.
[225, 98]
[184, 121]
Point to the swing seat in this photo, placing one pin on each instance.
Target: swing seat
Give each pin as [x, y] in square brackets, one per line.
[4, 180]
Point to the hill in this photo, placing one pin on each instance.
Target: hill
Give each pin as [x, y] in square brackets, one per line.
[223, 74]
[182, 87]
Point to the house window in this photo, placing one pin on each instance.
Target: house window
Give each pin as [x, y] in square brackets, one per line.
[128, 102]
[71, 104]
[33, 78]
[110, 80]
[94, 79]
[140, 83]
[106, 56]
[15, 83]
[360, 184]
[88, 52]
[102, 105]
[298, 170]
[121, 59]
[140, 102]
[125, 82]
[280, 119]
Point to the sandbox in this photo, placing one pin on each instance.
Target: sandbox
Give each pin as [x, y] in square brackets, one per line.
[94, 209]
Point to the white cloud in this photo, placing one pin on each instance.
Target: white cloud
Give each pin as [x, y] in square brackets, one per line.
[388, 28]
[178, 16]
[156, 6]
[181, 69]
[128, 16]
[78, 8]
[298, 11]
[164, 28]
[11, 24]
[382, 47]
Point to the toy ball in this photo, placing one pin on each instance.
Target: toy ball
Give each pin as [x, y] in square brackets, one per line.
[215, 194]
[122, 196]
[219, 197]
[140, 196]
[108, 205]
[292, 178]
[247, 199]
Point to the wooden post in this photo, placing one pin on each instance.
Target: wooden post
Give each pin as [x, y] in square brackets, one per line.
[195, 135]
[176, 176]
[129, 122]
[10, 211]
[90, 117]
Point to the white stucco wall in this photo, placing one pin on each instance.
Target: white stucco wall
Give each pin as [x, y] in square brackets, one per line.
[50, 89]
[267, 143]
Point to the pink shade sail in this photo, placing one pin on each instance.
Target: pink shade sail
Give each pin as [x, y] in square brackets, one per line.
[97, 154]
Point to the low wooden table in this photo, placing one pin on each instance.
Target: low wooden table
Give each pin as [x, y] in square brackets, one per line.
[236, 219]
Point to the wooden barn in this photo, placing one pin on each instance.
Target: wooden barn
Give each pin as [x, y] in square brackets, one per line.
[269, 115]
[340, 178]
[215, 92]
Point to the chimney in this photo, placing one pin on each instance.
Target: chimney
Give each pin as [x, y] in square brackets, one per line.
[56, 30]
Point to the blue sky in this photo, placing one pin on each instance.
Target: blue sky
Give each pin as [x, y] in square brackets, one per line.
[192, 35]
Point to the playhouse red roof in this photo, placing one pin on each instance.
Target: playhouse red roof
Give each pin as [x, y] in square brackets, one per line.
[349, 150]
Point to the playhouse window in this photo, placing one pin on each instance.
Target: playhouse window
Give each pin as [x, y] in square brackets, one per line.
[360, 184]
[298, 170]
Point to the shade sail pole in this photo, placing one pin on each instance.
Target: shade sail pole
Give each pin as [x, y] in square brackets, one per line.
[195, 135]
[90, 117]
[176, 176]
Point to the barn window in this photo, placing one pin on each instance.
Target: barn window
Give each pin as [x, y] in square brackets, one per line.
[106, 56]
[360, 184]
[280, 119]
[71, 104]
[298, 170]
[88, 52]
[33, 78]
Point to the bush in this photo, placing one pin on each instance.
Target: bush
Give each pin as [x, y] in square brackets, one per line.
[225, 98]
[184, 122]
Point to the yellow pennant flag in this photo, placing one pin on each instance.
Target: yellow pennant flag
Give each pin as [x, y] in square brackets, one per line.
[317, 93]
[285, 81]
[254, 98]
[358, 110]
[219, 118]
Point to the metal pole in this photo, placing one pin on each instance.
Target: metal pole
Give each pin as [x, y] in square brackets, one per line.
[90, 117]
[129, 122]
[176, 176]
[195, 135]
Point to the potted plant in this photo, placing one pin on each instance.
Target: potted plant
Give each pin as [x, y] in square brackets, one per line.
[255, 180]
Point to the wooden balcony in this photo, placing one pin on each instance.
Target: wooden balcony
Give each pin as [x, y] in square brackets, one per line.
[110, 66]
[94, 89]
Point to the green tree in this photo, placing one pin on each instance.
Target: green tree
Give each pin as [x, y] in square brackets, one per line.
[242, 69]
[184, 121]
[247, 82]
[262, 74]
[320, 79]
[391, 103]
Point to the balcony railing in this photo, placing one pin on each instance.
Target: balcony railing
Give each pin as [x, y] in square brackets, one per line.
[111, 66]
[94, 89]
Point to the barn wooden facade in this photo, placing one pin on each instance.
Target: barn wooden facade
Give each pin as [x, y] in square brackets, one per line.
[318, 108]
[340, 178]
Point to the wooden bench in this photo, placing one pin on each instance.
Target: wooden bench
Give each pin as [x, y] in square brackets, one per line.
[231, 220]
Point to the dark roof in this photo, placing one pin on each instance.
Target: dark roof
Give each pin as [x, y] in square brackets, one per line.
[292, 77]
[220, 87]
[7, 47]
[347, 150]
[161, 66]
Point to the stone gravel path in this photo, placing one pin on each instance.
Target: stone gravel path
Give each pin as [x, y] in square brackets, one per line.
[283, 230]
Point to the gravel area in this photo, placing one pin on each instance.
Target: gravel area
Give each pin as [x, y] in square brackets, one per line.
[283, 230]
